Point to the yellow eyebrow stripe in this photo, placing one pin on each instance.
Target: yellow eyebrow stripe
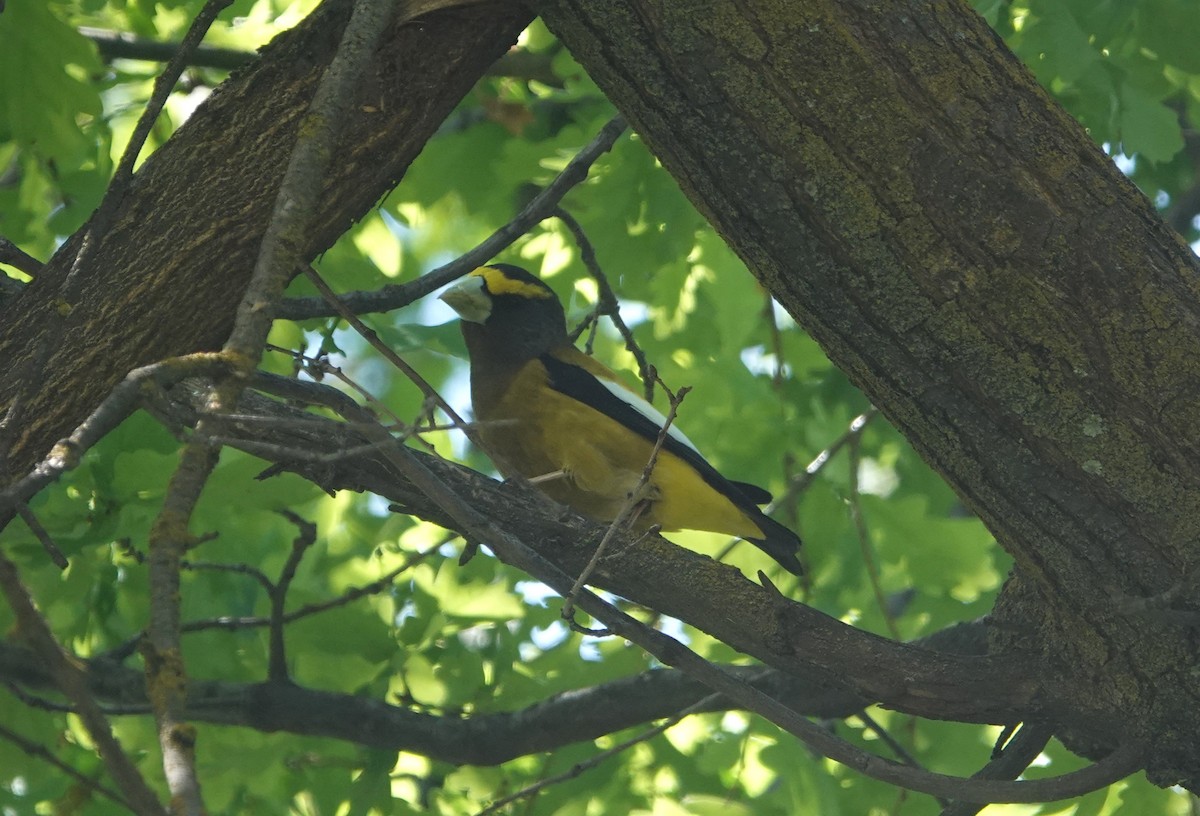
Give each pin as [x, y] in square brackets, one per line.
[500, 284]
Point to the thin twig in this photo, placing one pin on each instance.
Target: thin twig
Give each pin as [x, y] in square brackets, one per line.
[34, 701]
[1018, 755]
[864, 537]
[383, 348]
[277, 656]
[628, 513]
[33, 749]
[18, 258]
[581, 767]
[42, 535]
[608, 304]
[119, 404]
[776, 339]
[120, 652]
[42, 704]
[258, 575]
[401, 429]
[590, 323]
[120, 45]
[286, 453]
[899, 750]
[801, 482]
[537, 210]
[320, 367]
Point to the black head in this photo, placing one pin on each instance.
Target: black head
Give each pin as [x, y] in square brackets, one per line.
[507, 312]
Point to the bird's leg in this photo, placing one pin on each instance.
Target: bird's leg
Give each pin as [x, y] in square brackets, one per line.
[640, 507]
[548, 477]
[644, 495]
[652, 530]
[643, 498]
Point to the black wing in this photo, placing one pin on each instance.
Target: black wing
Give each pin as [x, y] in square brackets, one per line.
[582, 385]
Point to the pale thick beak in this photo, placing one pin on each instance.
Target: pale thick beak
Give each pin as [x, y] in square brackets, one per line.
[469, 299]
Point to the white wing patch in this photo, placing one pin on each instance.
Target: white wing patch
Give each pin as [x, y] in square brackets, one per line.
[647, 410]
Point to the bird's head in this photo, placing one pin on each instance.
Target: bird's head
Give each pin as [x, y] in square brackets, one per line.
[505, 306]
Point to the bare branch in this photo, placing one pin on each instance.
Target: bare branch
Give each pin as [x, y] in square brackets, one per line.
[1018, 755]
[277, 670]
[339, 305]
[562, 719]
[42, 535]
[18, 258]
[121, 652]
[320, 368]
[799, 483]
[608, 304]
[120, 45]
[33, 749]
[540, 208]
[119, 404]
[517, 64]
[860, 529]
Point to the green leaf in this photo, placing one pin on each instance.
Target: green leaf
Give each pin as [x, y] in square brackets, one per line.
[1147, 127]
[1171, 29]
[941, 555]
[1054, 45]
[43, 102]
[373, 787]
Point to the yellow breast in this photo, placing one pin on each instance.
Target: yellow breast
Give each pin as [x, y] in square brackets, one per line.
[534, 431]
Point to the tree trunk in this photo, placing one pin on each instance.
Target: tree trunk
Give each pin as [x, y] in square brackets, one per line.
[983, 272]
[166, 278]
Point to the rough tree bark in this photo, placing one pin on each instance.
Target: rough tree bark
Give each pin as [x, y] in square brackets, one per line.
[983, 272]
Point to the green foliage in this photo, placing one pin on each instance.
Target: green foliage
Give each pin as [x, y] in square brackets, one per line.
[481, 638]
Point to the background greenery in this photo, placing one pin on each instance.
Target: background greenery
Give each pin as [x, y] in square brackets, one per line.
[878, 525]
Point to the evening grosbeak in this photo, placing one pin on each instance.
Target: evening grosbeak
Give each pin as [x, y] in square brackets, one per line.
[553, 415]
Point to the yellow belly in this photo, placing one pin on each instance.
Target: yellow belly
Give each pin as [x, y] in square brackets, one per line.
[601, 461]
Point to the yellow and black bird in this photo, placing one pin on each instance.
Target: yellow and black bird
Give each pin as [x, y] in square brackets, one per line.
[552, 414]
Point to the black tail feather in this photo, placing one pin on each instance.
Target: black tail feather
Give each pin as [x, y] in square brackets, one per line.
[778, 542]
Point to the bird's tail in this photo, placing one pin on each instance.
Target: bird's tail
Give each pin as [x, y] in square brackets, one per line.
[778, 542]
